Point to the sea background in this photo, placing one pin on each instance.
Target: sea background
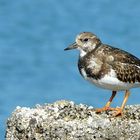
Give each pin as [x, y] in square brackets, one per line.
[34, 69]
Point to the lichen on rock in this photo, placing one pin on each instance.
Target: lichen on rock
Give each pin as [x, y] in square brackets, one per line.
[64, 120]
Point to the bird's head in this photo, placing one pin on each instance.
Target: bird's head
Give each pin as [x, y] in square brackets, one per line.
[85, 42]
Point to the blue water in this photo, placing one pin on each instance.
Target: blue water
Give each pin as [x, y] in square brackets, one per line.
[34, 69]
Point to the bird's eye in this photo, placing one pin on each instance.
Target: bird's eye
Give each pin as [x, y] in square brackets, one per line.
[85, 40]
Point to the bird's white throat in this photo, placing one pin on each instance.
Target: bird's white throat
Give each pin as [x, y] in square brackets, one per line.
[90, 48]
[82, 52]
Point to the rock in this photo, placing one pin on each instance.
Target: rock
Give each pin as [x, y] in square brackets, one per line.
[64, 120]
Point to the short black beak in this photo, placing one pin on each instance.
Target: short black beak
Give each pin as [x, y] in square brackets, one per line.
[72, 46]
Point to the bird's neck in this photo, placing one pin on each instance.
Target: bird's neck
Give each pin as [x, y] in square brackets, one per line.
[87, 50]
[82, 53]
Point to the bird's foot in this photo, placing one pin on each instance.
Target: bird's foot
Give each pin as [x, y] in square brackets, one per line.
[105, 108]
[117, 112]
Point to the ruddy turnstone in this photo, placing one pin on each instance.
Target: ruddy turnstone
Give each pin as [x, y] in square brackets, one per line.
[107, 67]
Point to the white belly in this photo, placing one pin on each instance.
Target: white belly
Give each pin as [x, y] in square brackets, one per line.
[110, 82]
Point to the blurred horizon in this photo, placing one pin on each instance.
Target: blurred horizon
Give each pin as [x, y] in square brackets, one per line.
[34, 68]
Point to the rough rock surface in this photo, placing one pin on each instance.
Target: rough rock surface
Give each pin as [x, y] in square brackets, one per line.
[64, 120]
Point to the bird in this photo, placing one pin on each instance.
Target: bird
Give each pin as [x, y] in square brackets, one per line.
[107, 67]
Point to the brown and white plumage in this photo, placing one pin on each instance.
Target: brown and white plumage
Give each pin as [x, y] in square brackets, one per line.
[106, 66]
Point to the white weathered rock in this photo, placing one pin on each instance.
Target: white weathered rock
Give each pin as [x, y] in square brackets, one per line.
[64, 120]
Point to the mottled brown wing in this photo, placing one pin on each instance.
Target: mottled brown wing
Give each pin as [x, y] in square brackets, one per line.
[126, 65]
[123, 56]
[127, 72]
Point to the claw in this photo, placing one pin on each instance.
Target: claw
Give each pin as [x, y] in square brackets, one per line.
[117, 112]
[106, 108]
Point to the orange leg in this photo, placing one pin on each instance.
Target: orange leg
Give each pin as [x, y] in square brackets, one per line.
[107, 106]
[119, 111]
